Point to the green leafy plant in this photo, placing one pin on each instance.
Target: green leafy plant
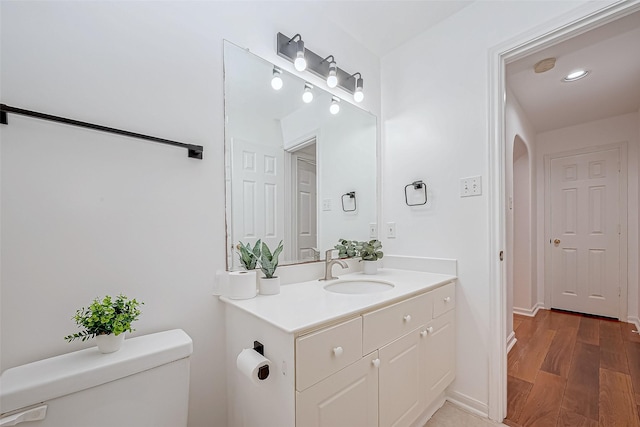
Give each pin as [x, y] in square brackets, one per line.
[249, 256]
[106, 316]
[347, 248]
[269, 261]
[371, 250]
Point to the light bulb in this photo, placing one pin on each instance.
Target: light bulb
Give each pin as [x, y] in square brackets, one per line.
[307, 95]
[358, 95]
[576, 75]
[276, 81]
[332, 80]
[335, 106]
[300, 63]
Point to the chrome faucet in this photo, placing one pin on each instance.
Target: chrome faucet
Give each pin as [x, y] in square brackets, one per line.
[328, 265]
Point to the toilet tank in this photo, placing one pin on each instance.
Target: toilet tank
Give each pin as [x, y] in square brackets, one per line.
[144, 384]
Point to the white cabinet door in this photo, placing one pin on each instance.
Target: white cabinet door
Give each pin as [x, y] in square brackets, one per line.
[348, 398]
[401, 380]
[439, 354]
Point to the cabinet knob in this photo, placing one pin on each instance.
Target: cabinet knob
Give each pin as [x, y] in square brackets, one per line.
[407, 318]
[338, 351]
[423, 333]
[430, 330]
[376, 363]
[447, 299]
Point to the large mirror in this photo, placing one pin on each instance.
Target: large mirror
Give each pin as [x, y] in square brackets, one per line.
[294, 171]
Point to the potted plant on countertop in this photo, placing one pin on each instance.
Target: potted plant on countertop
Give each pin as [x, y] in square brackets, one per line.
[347, 248]
[107, 320]
[243, 284]
[370, 252]
[268, 262]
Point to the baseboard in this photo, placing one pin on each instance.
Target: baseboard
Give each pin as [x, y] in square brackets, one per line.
[511, 341]
[469, 404]
[635, 321]
[528, 312]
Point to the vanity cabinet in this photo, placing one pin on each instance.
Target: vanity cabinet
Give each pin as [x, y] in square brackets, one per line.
[381, 365]
[409, 361]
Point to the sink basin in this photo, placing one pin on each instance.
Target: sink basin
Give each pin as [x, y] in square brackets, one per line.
[363, 286]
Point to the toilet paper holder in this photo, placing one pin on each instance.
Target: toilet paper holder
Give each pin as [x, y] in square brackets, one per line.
[263, 371]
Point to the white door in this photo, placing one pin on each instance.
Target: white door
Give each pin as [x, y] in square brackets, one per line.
[585, 233]
[306, 212]
[258, 197]
[348, 398]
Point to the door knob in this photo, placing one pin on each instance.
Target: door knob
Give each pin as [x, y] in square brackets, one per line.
[556, 242]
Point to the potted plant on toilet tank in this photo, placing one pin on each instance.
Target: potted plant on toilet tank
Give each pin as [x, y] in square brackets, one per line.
[268, 262]
[107, 320]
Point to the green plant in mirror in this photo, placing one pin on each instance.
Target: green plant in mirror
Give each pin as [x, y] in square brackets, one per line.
[106, 316]
[347, 248]
[269, 261]
[371, 250]
[249, 256]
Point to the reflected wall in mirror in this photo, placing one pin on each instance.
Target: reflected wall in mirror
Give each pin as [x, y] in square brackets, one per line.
[289, 163]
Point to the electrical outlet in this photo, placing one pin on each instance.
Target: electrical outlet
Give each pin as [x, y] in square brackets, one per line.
[373, 230]
[471, 186]
[391, 230]
[326, 204]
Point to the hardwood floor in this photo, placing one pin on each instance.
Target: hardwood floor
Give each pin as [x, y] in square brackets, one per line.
[574, 370]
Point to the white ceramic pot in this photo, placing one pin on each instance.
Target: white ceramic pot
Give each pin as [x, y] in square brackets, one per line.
[242, 284]
[370, 267]
[108, 343]
[269, 286]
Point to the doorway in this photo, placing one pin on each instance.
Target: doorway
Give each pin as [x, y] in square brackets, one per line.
[500, 57]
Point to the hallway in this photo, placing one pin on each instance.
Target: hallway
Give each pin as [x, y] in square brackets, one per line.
[574, 370]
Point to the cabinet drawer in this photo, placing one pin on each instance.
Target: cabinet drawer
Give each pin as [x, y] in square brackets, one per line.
[324, 352]
[385, 325]
[444, 299]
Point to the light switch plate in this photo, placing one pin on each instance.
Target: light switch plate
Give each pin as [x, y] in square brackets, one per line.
[391, 230]
[373, 230]
[326, 204]
[471, 186]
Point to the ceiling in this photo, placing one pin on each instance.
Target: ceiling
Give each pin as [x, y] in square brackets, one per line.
[611, 53]
[381, 26]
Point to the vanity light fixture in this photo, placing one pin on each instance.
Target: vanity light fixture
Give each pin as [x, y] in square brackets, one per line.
[332, 78]
[334, 108]
[575, 75]
[293, 50]
[276, 80]
[307, 95]
[358, 95]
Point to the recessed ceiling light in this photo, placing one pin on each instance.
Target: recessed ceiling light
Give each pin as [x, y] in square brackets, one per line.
[575, 75]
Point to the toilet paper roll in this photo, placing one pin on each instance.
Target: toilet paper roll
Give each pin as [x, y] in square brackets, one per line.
[249, 363]
[242, 284]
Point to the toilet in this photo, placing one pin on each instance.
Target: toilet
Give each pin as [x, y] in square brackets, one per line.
[144, 384]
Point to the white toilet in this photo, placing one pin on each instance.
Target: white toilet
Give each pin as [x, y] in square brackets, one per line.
[144, 384]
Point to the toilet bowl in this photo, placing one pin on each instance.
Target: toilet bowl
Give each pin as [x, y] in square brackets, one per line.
[144, 384]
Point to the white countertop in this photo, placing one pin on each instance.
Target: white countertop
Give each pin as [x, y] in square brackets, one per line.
[302, 306]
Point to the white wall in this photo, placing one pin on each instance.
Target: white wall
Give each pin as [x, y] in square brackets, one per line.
[600, 132]
[521, 290]
[524, 295]
[435, 128]
[86, 213]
